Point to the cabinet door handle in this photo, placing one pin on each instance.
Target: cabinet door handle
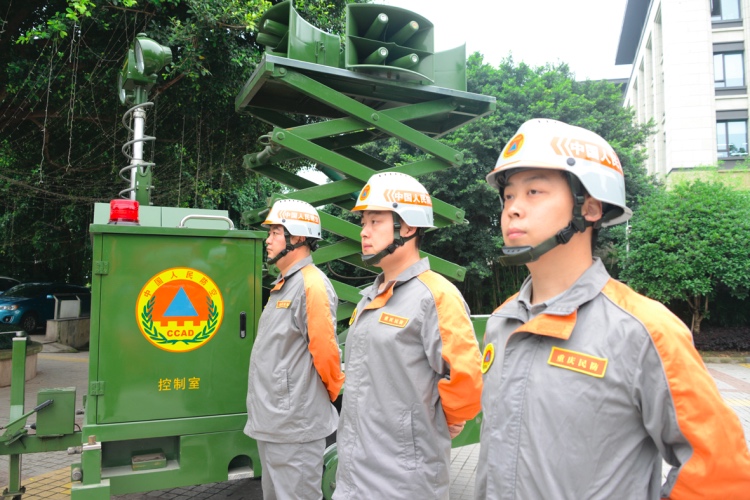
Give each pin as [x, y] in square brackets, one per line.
[243, 325]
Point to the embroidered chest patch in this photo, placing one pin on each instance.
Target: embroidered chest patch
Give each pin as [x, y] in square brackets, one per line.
[393, 320]
[283, 304]
[578, 362]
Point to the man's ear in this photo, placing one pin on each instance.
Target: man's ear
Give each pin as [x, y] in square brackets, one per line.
[592, 209]
[407, 230]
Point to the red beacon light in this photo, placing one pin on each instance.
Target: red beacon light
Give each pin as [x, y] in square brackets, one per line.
[123, 212]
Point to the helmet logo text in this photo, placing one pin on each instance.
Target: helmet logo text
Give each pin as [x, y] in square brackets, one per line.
[576, 148]
[410, 197]
[303, 216]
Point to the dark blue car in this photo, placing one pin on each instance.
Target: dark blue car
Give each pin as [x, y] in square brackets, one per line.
[30, 305]
[7, 283]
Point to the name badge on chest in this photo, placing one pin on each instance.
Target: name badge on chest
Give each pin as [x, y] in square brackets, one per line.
[393, 320]
[578, 362]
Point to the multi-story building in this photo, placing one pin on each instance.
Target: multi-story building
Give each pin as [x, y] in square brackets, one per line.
[689, 62]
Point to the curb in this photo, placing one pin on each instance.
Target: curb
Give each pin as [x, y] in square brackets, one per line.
[723, 359]
[58, 348]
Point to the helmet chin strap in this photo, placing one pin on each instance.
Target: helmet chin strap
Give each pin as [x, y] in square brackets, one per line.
[516, 256]
[289, 248]
[398, 241]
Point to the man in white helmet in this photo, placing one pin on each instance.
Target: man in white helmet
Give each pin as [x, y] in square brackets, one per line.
[295, 368]
[412, 359]
[587, 384]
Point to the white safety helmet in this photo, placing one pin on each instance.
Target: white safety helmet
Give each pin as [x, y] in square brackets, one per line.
[400, 193]
[550, 144]
[298, 217]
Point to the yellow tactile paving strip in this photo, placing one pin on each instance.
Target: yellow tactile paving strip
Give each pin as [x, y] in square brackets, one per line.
[53, 485]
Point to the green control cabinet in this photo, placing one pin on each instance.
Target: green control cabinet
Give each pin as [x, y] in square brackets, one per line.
[173, 320]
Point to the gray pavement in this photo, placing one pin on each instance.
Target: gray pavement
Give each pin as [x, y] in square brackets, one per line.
[46, 475]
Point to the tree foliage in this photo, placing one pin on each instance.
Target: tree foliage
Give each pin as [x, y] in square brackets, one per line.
[690, 243]
[522, 93]
[60, 117]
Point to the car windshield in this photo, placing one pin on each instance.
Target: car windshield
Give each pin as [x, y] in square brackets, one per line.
[25, 291]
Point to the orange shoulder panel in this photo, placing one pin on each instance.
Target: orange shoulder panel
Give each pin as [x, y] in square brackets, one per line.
[321, 330]
[720, 464]
[461, 393]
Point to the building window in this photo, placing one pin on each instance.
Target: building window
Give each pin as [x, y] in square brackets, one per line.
[731, 138]
[725, 10]
[729, 70]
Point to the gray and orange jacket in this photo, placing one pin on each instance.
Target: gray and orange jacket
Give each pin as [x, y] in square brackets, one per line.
[412, 369]
[584, 399]
[295, 368]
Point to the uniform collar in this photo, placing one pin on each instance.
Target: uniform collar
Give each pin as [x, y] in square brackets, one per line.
[559, 316]
[410, 272]
[586, 287]
[584, 290]
[295, 267]
[524, 300]
[380, 298]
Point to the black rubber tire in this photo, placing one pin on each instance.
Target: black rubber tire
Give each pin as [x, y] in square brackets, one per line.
[29, 322]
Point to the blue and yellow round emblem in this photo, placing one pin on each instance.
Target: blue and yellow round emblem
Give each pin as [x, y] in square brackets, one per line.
[179, 309]
[488, 357]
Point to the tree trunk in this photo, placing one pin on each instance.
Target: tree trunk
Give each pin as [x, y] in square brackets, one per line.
[699, 312]
[697, 318]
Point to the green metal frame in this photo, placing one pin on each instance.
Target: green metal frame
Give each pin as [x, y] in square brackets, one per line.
[353, 109]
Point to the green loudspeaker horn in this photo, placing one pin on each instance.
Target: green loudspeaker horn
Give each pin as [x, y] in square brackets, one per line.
[407, 61]
[273, 28]
[402, 36]
[284, 33]
[146, 58]
[269, 40]
[378, 56]
[377, 27]
[406, 36]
